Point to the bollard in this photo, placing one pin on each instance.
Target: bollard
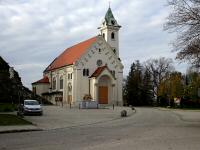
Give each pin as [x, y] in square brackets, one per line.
[113, 106]
[20, 114]
[70, 105]
[123, 113]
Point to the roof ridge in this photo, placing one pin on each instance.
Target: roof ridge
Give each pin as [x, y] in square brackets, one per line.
[71, 54]
[80, 42]
[45, 79]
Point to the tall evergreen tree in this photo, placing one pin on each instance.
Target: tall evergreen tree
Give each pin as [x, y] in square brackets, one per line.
[146, 91]
[134, 85]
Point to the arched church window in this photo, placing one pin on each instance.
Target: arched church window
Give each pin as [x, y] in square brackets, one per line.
[104, 35]
[69, 76]
[112, 35]
[114, 50]
[87, 72]
[61, 82]
[54, 83]
[84, 72]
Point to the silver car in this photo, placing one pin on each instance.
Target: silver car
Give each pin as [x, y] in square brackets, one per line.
[32, 107]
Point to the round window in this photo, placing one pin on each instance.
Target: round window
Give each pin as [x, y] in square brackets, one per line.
[99, 62]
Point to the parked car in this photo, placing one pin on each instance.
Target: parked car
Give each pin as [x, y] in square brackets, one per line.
[31, 107]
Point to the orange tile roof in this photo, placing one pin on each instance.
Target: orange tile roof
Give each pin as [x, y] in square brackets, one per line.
[98, 71]
[45, 79]
[71, 54]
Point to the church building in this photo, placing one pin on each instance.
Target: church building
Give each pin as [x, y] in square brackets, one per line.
[91, 68]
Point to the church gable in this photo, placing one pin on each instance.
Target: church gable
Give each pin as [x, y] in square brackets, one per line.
[99, 54]
[102, 70]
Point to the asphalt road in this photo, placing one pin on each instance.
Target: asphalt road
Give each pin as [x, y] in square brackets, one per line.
[148, 129]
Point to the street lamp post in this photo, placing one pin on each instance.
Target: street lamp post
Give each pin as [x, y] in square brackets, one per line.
[19, 95]
[20, 92]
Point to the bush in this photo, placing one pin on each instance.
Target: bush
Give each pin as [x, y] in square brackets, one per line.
[189, 103]
[7, 107]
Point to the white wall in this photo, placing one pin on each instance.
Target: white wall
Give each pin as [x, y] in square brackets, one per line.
[41, 88]
[80, 83]
[114, 43]
[88, 61]
[57, 74]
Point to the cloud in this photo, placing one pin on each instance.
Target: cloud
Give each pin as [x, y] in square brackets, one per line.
[29, 66]
[34, 32]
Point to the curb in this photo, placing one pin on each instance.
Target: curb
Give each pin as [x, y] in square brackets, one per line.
[178, 115]
[19, 130]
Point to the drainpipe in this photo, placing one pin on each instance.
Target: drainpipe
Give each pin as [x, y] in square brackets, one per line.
[50, 80]
[89, 86]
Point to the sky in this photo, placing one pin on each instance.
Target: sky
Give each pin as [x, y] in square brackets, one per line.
[34, 32]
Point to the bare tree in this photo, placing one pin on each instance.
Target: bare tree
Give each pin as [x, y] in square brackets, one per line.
[159, 69]
[185, 21]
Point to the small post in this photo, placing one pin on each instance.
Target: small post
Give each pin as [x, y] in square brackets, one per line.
[79, 106]
[70, 105]
[113, 106]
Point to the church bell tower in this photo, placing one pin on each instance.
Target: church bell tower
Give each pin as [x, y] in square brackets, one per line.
[109, 29]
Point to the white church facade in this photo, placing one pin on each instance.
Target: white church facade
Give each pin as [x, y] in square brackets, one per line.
[91, 68]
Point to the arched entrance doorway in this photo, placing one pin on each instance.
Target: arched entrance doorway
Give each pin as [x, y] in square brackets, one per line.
[103, 89]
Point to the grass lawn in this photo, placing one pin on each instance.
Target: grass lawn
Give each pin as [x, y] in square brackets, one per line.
[8, 119]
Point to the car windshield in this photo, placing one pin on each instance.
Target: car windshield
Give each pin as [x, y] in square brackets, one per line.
[31, 103]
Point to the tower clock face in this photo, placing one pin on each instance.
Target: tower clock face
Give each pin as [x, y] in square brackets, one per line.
[99, 62]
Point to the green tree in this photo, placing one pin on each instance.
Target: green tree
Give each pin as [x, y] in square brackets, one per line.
[133, 84]
[191, 90]
[146, 90]
[138, 86]
[171, 87]
[159, 70]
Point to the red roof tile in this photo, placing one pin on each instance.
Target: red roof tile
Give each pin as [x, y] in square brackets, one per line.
[43, 80]
[98, 71]
[71, 54]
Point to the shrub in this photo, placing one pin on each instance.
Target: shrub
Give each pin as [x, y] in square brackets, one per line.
[87, 97]
[7, 107]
